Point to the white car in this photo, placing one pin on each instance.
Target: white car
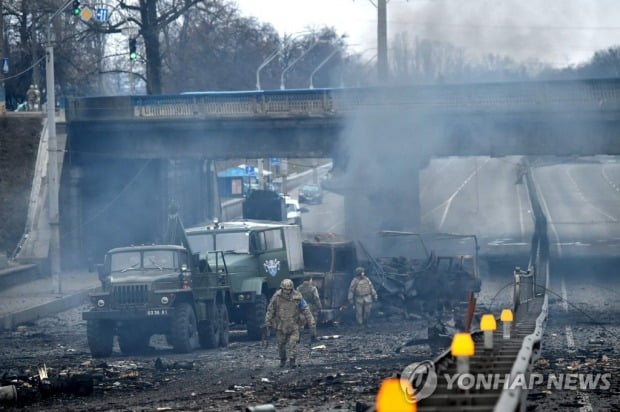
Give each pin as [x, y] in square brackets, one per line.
[293, 211]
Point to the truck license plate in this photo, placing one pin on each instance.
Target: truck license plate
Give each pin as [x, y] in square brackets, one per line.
[156, 312]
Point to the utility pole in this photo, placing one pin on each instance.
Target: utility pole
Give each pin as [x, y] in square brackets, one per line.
[2, 90]
[382, 49]
[382, 56]
[52, 167]
[52, 159]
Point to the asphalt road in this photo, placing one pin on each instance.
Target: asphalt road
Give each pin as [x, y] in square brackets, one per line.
[481, 196]
[327, 216]
[580, 200]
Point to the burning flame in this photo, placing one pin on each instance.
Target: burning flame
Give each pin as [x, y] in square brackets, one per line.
[42, 372]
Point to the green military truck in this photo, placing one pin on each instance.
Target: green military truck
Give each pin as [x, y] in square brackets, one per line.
[159, 289]
[260, 254]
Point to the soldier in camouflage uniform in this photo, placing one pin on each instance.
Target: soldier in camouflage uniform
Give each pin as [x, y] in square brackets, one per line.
[311, 295]
[283, 313]
[362, 294]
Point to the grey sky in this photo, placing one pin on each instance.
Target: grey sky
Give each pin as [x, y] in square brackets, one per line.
[559, 32]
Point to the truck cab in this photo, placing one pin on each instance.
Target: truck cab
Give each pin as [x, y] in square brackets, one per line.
[259, 255]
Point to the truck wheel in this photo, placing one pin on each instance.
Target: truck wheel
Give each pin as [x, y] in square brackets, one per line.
[256, 317]
[184, 332]
[225, 322]
[132, 340]
[209, 331]
[100, 335]
[209, 334]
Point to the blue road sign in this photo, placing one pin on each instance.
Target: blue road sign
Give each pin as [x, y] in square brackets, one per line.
[274, 161]
[101, 13]
[249, 170]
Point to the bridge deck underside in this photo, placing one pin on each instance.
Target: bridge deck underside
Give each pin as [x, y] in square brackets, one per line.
[438, 134]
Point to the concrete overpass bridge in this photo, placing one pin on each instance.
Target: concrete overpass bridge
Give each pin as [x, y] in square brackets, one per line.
[560, 117]
[135, 153]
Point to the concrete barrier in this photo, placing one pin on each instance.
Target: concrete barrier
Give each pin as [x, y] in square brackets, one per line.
[11, 320]
[17, 275]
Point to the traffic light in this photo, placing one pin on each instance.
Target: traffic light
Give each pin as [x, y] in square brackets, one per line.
[133, 53]
[76, 8]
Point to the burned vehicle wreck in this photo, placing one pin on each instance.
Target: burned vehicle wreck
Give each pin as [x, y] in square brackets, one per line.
[330, 260]
[426, 274]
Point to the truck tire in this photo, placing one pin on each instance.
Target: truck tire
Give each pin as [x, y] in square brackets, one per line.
[209, 334]
[225, 322]
[184, 331]
[256, 317]
[100, 335]
[133, 340]
[209, 331]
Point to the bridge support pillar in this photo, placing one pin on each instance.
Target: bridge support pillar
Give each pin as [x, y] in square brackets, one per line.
[214, 209]
[71, 221]
[192, 184]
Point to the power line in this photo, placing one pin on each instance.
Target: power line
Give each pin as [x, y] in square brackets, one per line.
[24, 71]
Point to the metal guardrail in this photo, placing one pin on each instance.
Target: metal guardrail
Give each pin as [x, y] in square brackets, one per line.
[513, 399]
[547, 96]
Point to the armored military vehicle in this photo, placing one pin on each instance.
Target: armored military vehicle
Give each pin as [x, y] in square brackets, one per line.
[159, 289]
[265, 205]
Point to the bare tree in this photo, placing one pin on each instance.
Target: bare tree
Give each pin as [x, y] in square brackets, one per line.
[152, 17]
[428, 61]
[215, 48]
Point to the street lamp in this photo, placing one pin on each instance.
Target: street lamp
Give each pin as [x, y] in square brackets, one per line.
[265, 63]
[308, 50]
[311, 86]
[52, 160]
[276, 53]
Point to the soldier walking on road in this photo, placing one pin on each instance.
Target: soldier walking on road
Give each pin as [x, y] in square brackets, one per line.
[311, 295]
[283, 314]
[362, 294]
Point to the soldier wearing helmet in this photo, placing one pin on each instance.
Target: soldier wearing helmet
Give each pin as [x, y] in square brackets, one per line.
[311, 295]
[361, 294]
[283, 313]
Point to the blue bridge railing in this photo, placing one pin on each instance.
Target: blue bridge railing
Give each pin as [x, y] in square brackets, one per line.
[549, 96]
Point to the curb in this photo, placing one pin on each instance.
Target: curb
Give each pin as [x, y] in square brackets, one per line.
[11, 320]
[18, 275]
